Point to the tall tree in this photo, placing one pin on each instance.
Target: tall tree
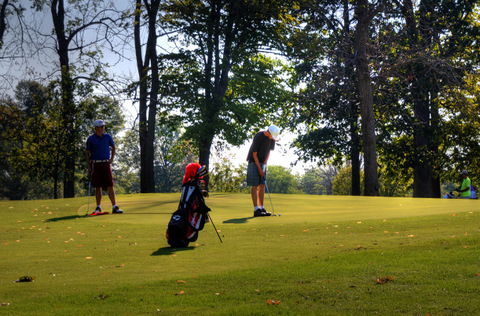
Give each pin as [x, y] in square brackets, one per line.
[148, 74]
[31, 145]
[328, 105]
[71, 28]
[222, 39]
[364, 12]
[430, 60]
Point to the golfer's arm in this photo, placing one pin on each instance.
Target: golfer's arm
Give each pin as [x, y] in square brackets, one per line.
[463, 190]
[255, 157]
[87, 157]
[266, 159]
[112, 156]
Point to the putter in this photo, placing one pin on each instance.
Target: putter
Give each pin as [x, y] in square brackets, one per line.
[88, 203]
[268, 191]
[210, 218]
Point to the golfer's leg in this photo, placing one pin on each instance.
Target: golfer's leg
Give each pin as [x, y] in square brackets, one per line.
[111, 195]
[261, 193]
[98, 195]
[253, 192]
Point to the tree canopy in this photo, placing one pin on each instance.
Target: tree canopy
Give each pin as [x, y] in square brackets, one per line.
[385, 91]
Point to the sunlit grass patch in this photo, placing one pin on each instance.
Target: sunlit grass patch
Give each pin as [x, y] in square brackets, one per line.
[324, 255]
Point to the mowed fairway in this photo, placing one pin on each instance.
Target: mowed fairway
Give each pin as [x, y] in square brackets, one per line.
[325, 255]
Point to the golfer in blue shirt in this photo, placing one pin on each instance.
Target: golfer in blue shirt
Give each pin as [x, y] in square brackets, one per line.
[99, 160]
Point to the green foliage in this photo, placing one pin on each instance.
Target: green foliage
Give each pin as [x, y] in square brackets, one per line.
[342, 183]
[311, 182]
[34, 155]
[225, 177]
[281, 180]
[318, 180]
[424, 95]
[30, 147]
[394, 183]
[222, 81]
[127, 165]
[224, 86]
[172, 155]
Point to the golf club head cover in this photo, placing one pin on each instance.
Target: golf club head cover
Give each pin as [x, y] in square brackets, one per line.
[202, 171]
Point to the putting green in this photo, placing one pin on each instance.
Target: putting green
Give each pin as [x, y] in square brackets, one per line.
[322, 256]
[234, 208]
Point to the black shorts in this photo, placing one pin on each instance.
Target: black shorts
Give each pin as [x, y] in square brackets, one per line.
[102, 175]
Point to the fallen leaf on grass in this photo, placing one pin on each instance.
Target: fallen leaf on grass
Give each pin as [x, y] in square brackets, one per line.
[181, 281]
[384, 280]
[221, 292]
[273, 302]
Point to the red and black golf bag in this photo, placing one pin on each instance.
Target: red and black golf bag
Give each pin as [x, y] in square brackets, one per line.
[191, 214]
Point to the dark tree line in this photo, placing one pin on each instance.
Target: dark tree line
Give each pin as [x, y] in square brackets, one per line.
[410, 61]
[387, 86]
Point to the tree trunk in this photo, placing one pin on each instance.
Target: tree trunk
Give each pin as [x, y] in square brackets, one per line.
[3, 18]
[353, 110]
[147, 101]
[426, 182]
[366, 98]
[355, 157]
[68, 104]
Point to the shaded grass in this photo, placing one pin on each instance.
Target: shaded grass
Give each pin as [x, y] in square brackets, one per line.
[322, 256]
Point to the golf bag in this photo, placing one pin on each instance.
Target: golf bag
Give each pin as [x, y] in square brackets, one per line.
[189, 218]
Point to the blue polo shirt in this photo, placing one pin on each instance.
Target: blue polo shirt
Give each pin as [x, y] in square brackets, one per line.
[99, 146]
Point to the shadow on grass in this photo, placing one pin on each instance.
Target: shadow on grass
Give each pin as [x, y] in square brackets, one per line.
[66, 218]
[151, 213]
[238, 220]
[168, 251]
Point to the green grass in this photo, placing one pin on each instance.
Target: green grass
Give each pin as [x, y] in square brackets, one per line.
[322, 256]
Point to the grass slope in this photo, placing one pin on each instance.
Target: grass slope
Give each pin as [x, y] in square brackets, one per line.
[324, 255]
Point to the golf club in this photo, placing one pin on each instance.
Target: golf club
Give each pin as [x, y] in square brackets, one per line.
[88, 203]
[268, 191]
[210, 218]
